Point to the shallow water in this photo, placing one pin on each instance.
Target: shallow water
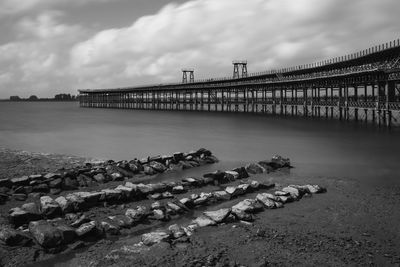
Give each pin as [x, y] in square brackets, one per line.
[316, 147]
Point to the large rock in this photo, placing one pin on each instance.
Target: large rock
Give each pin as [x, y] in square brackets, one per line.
[157, 166]
[231, 175]
[294, 192]
[122, 221]
[113, 195]
[234, 191]
[152, 238]
[68, 233]
[56, 183]
[49, 207]
[18, 217]
[280, 162]
[243, 209]
[69, 183]
[204, 221]
[219, 215]
[242, 172]
[137, 214]
[265, 199]
[149, 170]
[87, 229]
[45, 234]
[11, 237]
[217, 175]
[221, 195]
[176, 231]
[179, 189]
[128, 192]
[20, 181]
[110, 228]
[66, 205]
[78, 202]
[144, 189]
[90, 198]
[254, 168]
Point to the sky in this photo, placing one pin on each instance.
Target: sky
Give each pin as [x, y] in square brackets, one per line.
[49, 47]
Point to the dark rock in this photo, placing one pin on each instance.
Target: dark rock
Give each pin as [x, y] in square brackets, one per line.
[11, 237]
[43, 187]
[49, 207]
[56, 183]
[217, 175]
[18, 217]
[234, 191]
[68, 233]
[19, 197]
[178, 156]
[149, 170]
[21, 181]
[45, 234]
[110, 228]
[70, 184]
[3, 198]
[280, 162]
[157, 166]
[5, 183]
[210, 159]
[55, 191]
[203, 151]
[185, 165]
[242, 172]
[78, 202]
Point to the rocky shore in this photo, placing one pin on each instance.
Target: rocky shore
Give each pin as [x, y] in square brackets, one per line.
[113, 216]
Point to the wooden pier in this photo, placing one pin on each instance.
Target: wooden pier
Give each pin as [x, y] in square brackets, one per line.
[363, 87]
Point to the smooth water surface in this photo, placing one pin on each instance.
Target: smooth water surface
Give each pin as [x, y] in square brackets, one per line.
[316, 147]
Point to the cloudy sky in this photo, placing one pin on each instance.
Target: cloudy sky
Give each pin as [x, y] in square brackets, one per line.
[57, 46]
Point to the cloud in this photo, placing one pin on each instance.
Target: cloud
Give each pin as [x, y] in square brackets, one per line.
[205, 34]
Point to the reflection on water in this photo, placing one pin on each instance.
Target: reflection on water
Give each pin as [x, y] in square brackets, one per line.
[315, 147]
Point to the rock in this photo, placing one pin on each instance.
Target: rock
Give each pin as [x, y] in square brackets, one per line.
[294, 193]
[77, 202]
[117, 176]
[204, 221]
[157, 166]
[155, 196]
[177, 231]
[200, 200]
[281, 193]
[144, 189]
[158, 187]
[266, 185]
[128, 192]
[32, 208]
[19, 197]
[194, 196]
[5, 183]
[152, 238]
[243, 209]
[192, 181]
[159, 214]
[210, 159]
[18, 217]
[219, 215]
[66, 205]
[137, 214]
[167, 195]
[265, 199]
[178, 189]
[280, 162]
[55, 191]
[69, 184]
[91, 198]
[110, 228]
[51, 175]
[56, 183]
[278, 204]
[49, 207]
[231, 175]
[234, 191]
[43, 187]
[190, 229]
[3, 198]
[245, 187]
[100, 178]
[186, 201]
[79, 221]
[221, 195]
[21, 181]
[11, 237]
[149, 170]
[155, 205]
[176, 208]
[113, 195]
[185, 164]
[87, 229]
[122, 221]
[285, 199]
[254, 168]
[242, 172]
[217, 175]
[45, 234]
[254, 185]
[178, 156]
[68, 233]
[270, 196]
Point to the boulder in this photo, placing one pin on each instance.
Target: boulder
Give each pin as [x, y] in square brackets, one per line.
[113, 195]
[254, 185]
[217, 175]
[18, 217]
[117, 176]
[157, 166]
[265, 199]
[78, 202]
[66, 205]
[79, 220]
[281, 193]
[122, 221]
[6, 183]
[49, 207]
[280, 162]
[144, 189]
[68, 233]
[167, 195]
[254, 168]
[231, 175]
[91, 198]
[87, 229]
[177, 231]
[243, 209]
[43, 187]
[204, 221]
[221, 195]
[45, 234]
[11, 237]
[69, 184]
[158, 214]
[179, 189]
[56, 183]
[149, 170]
[242, 172]
[176, 208]
[20, 181]
[152, 238]
[245, 187]
[294, 193]
[234, 191]
[138, 214]
[51, 175]
[128, 192]
[100, 178]
[218, 216]
[110, 228]
[19, 197]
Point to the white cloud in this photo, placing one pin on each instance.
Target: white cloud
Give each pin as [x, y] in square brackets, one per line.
[204, 34]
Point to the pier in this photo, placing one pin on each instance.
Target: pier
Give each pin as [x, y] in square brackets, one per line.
[362, 87]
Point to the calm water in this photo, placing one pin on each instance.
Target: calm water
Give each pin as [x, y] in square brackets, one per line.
[316, 147]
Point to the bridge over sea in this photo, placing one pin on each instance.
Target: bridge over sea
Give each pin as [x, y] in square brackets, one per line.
[363, 87]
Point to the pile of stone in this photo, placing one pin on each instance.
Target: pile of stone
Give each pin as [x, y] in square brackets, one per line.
[242, 211]
[99, 172]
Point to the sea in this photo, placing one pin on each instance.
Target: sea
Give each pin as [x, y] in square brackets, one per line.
[314, 146]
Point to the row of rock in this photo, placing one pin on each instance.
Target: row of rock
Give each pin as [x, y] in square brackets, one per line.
[49, 208]
[99, 172]
[242, 211]
[59, 232]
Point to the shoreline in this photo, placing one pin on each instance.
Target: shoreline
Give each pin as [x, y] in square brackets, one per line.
[342, 227]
